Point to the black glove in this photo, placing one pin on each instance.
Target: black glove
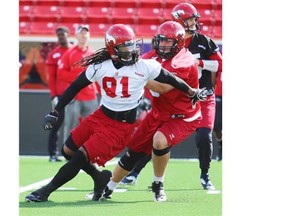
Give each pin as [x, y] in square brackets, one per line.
[200, 95]
[50, 119]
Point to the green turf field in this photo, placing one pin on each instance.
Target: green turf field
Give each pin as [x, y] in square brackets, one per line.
[184, 192]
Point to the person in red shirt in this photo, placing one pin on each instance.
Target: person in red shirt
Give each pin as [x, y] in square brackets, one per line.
[209, 62]
[172, 118]
[86, 101]
[218, 116]
[56, 87]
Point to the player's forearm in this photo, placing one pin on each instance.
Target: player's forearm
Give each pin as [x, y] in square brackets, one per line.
[75, 87]
[176, 82]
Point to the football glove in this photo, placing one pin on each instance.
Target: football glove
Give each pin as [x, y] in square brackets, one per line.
[200, 95]
[50, 120]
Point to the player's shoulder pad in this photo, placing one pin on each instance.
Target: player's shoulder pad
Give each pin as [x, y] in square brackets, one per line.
[91, 71]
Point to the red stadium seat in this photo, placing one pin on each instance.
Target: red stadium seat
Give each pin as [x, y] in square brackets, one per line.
[152, 4]
[46, 13]
[98, 30]
[24, 28]
[74, 3]
[72, 14]
[48, 2]
[26, 2]
[42, 28]
[218, 17]
[206, 16]
[217, 32]
[167, 14]
[125, 3]
[149, 16]
[146, 31]
[99, 3]
[124, 15]
[25, 12]
[207, 30]
[98, 14]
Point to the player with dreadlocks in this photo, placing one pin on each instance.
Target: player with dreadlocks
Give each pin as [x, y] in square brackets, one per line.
[103, 134]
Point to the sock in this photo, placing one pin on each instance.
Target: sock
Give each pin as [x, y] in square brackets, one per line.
[112, 185]
[158, 179]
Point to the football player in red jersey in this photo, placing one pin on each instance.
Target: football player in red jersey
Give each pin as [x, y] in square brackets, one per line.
[209, 60]
[102, 135]
[56, 87]
[170, 121]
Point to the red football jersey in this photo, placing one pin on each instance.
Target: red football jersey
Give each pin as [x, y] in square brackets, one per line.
[218, 85]
[175, 103]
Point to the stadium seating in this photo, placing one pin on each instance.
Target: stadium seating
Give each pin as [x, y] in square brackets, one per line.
[152, 4]
[217, 32]
[98, 29]
[124, 15]
[25, 12]
[149, 16]
[141, 13]
[24, 27]
[73, 3]
[46, 13]
[72, 14]
[99, 3]
[98, 14]
[42, 28]
[145, 31]
[124, 3]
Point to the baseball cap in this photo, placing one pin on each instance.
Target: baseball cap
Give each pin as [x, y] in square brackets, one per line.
[79, 28]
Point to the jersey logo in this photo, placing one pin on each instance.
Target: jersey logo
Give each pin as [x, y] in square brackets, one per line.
[139, 74]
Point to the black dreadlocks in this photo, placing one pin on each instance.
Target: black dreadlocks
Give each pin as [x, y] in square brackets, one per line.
[97, 57]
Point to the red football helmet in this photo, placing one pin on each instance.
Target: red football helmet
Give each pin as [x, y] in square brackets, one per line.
[121, 44]
[183, 11]
[169, 31]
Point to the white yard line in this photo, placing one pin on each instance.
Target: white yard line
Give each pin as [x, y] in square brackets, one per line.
[46, 181]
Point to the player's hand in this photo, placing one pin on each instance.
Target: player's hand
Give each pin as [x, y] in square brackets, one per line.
[200, 95]
[54, 101]
[50, 120]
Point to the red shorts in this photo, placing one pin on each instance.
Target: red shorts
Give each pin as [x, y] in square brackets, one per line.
[208, 112]
[175, 131]
[102, 137]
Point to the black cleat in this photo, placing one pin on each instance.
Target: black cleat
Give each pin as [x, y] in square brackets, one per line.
[102, 181]
[158, 190]
[36, 197]
[206, 182]
[107, 193]
[54, 159]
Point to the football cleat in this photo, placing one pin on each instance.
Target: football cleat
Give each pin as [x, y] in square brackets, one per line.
[128, 180]
[54, 159]
[158, 190]
[102, 181]
[36, 197]
[206, 183]
[107, 193]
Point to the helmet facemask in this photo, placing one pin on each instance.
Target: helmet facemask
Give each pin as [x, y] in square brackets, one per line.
[165, 52]
[127, 53]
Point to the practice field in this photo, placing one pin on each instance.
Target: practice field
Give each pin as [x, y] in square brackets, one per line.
[184, 192]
